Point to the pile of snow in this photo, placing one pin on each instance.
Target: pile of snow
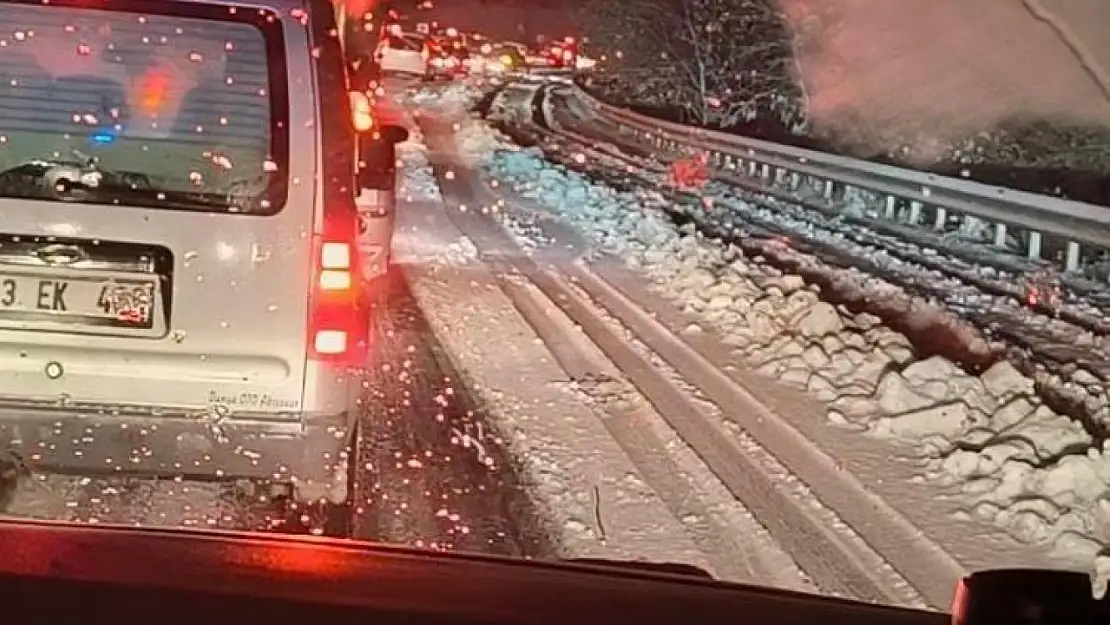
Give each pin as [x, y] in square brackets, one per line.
[513, 104]
[453, 95]
[1031, 471]
[417, 181]
[477, 142]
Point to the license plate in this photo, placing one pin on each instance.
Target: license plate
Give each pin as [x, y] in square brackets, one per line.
[96, 301]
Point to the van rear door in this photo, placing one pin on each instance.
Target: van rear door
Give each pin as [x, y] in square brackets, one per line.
[156, 248]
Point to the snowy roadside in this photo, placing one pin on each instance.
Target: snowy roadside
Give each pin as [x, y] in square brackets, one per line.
[422, 233]
[1008, 458]
[587, 489]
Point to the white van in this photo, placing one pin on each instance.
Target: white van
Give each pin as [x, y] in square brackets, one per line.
[179, 292]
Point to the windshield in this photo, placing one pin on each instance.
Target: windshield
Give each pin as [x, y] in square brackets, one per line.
[811, 295]
[170, 104]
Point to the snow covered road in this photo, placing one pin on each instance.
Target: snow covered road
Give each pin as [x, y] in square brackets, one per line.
[961, 455]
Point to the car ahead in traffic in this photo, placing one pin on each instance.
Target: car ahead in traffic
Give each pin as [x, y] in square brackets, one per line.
[179, 275]
[562, 54]
[403, 54]
[503, 60]
[448, 61]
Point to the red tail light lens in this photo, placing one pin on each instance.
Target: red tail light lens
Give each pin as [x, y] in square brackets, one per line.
[338, 320]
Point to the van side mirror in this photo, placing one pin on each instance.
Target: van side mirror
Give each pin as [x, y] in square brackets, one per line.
[378, 156]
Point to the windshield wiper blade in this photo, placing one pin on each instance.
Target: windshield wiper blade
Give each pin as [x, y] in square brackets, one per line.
[76, 182]
[128, 195]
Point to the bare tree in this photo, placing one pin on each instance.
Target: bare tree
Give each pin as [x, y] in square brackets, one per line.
[721, 62]
[731, 67]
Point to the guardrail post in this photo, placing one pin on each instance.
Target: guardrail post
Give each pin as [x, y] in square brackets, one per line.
[915, 212]
[751, 168]
[1071, 257]
[942, 219]
[1000, 235]
[1034, 245]
[891, 206]
[766, 172]
[827, 192]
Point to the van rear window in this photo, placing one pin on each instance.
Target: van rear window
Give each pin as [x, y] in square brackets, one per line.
[411, 44]
[141, 102]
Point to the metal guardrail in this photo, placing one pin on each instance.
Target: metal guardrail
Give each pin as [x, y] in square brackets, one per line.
[1072, 231]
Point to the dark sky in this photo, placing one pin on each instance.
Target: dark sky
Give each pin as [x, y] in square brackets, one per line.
[506, 19]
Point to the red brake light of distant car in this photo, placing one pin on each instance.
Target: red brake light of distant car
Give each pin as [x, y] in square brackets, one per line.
[336, 320]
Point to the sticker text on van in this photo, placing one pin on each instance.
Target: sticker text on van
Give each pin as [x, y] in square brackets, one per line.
[252, 400]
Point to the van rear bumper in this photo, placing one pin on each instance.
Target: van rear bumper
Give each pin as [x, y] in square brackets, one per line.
[67, 441]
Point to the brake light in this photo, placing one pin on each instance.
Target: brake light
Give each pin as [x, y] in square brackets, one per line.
[338, 325]
[335, 266]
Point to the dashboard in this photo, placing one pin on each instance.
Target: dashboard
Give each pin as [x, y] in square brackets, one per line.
[56, 573]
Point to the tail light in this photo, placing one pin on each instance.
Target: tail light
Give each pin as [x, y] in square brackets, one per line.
[338, 324]
[361, 111]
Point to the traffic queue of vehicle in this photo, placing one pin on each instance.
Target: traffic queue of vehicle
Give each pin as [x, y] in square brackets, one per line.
[435, 53]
